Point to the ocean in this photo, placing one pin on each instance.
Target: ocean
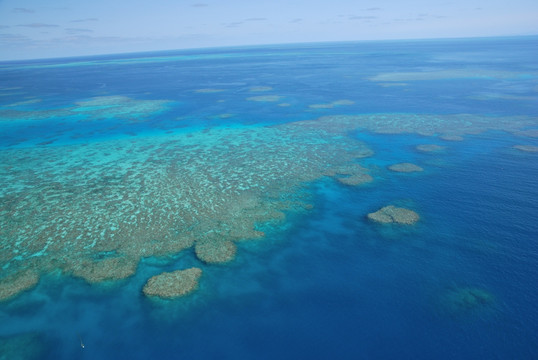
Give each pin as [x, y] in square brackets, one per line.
[357, 200]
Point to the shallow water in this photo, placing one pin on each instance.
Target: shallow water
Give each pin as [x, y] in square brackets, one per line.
[137, 158]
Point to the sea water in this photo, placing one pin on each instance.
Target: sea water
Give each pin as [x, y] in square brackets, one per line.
[197, 135]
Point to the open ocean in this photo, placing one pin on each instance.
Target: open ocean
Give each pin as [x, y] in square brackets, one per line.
[259, 166]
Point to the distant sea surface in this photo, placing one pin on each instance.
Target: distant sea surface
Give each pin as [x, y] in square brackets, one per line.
[259, 166]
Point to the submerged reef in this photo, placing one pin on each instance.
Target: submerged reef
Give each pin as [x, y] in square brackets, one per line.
[265, 98]
[17, 282]
[358, 179]
[405, 167]
[449, 137]
[394, 215]
[208, 91]
[423, 124]
[215, 251]
[28, 346]
[94, 109]
[260, 88]
[353, 174]
[463, 299]
[108, 269]
[430, 148]
[169, 285]
[94, 210]
[332, 104]
[526, 148]
[449, 74]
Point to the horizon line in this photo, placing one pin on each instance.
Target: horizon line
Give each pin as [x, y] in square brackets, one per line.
[96, 55]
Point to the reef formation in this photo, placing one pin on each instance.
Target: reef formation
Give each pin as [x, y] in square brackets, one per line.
[27, 346]
[169, 285]
[430, 148]
[394, 215]
[526, 148]
[332, 104]
[405, 167]
[94, 210]
[464, 299]
[265, 98]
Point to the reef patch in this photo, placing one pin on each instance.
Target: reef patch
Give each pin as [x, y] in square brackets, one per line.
[18, 282]
[452, 137]
[430, 148]
[526, 148]
[405, 168]
[464, 299]
[215, 251]
[170, 285]
[394, 215]
[265, 98]
[260, 88]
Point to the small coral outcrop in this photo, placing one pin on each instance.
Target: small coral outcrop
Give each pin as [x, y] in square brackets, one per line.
[405, 167]
[430, 148]
[215, 251]
[526, 148]
[17, 283]
[394, 215]
[462, 299]
[169, 285]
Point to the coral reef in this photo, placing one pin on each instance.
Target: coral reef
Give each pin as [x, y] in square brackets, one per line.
[94, 109]
[265, 98]
[405, 167]
[94, 210]
[155, 196]
[29, 346]
[169, 285]
[108, 269]
[17, 282]
[332, 104]
[463, 299]
[215, 251]
[392, 214]
[208, 91]
[526, 148]
[448, 74]
[429, 148]
[260, 88]
[424, 124]
[448, 137]
[355, 180]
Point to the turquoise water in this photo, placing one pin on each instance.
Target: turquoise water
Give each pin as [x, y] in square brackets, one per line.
[115, 169]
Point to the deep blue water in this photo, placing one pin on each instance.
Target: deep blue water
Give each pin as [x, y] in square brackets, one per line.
[325, 283]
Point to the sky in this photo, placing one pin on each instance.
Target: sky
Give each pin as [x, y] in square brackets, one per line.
[33, 29]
